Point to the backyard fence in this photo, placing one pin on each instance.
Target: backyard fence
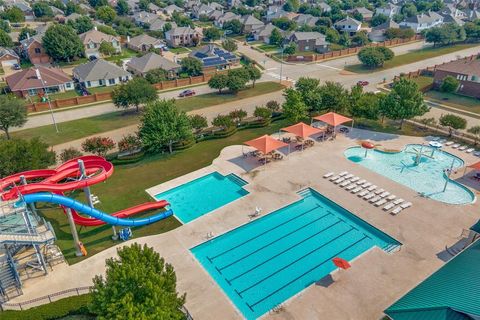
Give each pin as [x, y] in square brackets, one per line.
[350, 51]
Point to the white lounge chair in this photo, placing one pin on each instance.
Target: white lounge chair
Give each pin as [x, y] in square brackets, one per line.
[369, 196]
[449, 143]
[476, 153]
[328, 175]
[366, 184]
[345, 183]
[398, 201]
[456, 145]
[357, 189]
[385, 194]
[361, 181]
[380, 202]
[378, 191]
[334, 178]
[343, 173]
[442, 140]
[396, 210]
[391, 197]
[354, 179]
[348, 176]
[389, 206]
[363, 193]
[401, 207]
[371, 188]
[463, 148]
[339, 180]
[374, 199]
[350, 187]
[469, 150]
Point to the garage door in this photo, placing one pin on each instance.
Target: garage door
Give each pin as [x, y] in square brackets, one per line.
[8, 63]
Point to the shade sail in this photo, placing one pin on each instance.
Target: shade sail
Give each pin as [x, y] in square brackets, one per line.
[341, 263]
[332, 118]
[476, 166]
[266, 144]
[302, 130]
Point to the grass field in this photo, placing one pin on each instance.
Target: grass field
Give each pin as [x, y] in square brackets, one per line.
[77, 129]
[268, 47]
[411, 57]
[423, 81]
[455, 101]
[179, 50]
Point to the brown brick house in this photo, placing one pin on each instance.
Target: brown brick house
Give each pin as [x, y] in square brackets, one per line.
[467, 71]
[8, 57]
[32, 49]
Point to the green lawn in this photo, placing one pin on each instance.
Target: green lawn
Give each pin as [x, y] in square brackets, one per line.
[55, 96]
[126, 53]
[78, 129]
[179, 50]
[390, 126]
[101, 89]
[268, 47]
[423, 81]
[411, 57]
[454, 100]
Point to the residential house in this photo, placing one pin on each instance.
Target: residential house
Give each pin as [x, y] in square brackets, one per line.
[26, 83]
[205, 9]
[213, 56]
[153, 8]
[348, 25]
[377, 34]
[214, 15]
[93, 39]
[144, 18]
[422, 21]
[467, 71]
[24, 6]
[306, 20]
[144, 42]
[364, 12]
[452, 10]
[72, 17]
[452, 19]
[275, 12]
[169, 10]
[139, 66]
[8, 57]
[159, 25]
[263, 33]
[33, 50]
[225, 17]
[182, 37]
[309, 41]
[100, 73]
[324, 6]
[250, 23]
[388, 10]
[472, 14]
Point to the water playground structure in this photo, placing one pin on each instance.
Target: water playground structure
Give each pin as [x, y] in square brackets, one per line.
[28, 239]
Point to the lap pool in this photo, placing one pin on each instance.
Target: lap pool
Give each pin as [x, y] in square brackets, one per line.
[418, 167]
[200, 196]
[265, 262]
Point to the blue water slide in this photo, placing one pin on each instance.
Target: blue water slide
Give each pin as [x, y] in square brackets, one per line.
[92, 212]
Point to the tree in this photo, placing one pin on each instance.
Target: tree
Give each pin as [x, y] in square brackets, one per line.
[449, 84]
[404, 101]
[237, 115]
[234, 26]
[106, 14]
[212, 33]
[475, 130]
[12, 113]
[453, 122]
[400, 33]
[191, 66]
[133, 93]
[108, 30]
[373, 57]
[254, 73]
[14, 15]
[229, 45]
[291, 5]
[264, 113]
[223, 121]
[285, 24]
[17, 155]
[156, 75]
[62, 43]
[472, 30]
[334, 97]
[5, 40]
[81, 24]
[162, 125]
[5, 26]
[366, 106]
[276, 37]
[129, 144]
[445, 34]
[26, 32]
[273, 105]
[138, 284]
[427, 122]
[290, 49]
[237, 79]
[198, 121]
[98, 145]
[379, 19]
[360, 39]
[332, 35]
[69, 154]
[122, 7]
[106, 48]
[309, 90]
[218, 81]
[72, 7]
[409, 10]
[42, 9]
[294, 109]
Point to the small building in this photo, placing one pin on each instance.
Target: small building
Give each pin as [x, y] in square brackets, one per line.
[263, 33]
[388, 10]
[171, 9]
[225, 17]
[144, 42]
[8, 57]
[33, 50]
[139, 66]
[250, 23]
[306, 20]
[213, 56]
[349, 25]
[100, 73]
[93, 39]
[26, 83]
[466, 71]
[159, 25]
[182, 37]
[422, 21]
[309, 41]
[153, 8]
[377, 34]
[364, 12]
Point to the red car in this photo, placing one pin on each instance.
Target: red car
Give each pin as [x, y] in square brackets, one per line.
[362, 83]
[186, 93]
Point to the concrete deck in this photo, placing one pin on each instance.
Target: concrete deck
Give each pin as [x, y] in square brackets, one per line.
[376, 278]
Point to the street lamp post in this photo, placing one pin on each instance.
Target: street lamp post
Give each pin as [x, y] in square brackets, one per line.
[281, 64]
[39, 76]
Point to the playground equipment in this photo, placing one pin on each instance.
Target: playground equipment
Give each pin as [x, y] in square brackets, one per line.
[31, 238]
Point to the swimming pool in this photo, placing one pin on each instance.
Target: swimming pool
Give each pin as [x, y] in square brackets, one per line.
[426, 177]
[202, 195]
[265, 262]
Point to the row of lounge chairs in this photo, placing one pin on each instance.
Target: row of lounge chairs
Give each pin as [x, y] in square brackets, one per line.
[457, 146]
[368, 191]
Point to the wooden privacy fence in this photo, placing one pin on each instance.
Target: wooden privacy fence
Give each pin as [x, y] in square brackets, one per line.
[350, 51]
[105, 96]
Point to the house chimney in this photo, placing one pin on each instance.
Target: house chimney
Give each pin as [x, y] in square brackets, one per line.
[95, 28]
[28, 35]
[128, 39]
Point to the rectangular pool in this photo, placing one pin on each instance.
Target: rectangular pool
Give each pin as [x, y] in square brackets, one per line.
[202, 195]
[265, 262]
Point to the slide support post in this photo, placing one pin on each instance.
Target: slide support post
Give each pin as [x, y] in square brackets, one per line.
[87, 188]
[76, 241]
[115, 235]
[23, 181]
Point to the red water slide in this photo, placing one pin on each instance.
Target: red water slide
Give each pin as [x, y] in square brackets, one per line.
[66, 177]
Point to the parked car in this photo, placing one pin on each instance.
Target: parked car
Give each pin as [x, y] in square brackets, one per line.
[363, 83]
[186, 93]
[16, 66]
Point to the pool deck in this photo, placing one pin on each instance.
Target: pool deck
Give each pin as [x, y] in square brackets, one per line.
[376, 278]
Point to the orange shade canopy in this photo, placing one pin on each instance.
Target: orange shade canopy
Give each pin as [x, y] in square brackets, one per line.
[476, 166]
[367, 145]
[332, 118]
[266, 144]
[302, 130]
[341, 263]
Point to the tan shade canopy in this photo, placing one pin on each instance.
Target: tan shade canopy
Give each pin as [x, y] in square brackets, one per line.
[266, 144]
[302, 130]
[332, 118]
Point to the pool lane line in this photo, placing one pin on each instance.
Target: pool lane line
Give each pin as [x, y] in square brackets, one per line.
[281, 252]
[303, 274]
[295, 261]
[260, 234]
[272, 242]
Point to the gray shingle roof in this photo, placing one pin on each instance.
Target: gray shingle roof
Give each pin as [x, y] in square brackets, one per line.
[98, 69]
[152, 61]
[144, 39]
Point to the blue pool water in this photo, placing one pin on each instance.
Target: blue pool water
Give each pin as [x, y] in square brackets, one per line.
[426, 177]
[200, 196]
[263, 263]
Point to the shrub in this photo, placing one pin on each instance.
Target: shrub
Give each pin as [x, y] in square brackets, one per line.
[449, 84]
[223, 121]
[198, 121]
[263, 113]
[238, 115]
[98, 145]
[129, 143]
[273, 105]
[69, 153]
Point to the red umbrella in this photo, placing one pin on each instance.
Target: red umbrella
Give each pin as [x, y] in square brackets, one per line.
[368, 145]
[341, 263]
